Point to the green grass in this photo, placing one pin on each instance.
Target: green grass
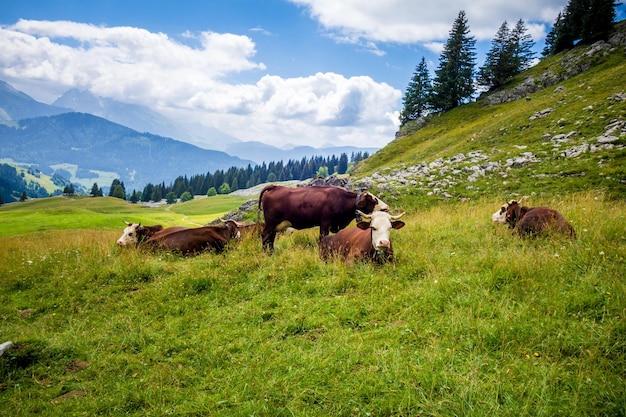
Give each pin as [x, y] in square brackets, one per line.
[81, 212]
[469, 320]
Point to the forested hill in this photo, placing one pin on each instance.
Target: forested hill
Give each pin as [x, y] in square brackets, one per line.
[558, 127]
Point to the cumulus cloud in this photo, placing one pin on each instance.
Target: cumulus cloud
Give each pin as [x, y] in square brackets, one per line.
[427, 23]
[187, 79]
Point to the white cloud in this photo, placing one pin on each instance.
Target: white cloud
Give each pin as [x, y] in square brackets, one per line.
[188, 81]
[425, 22]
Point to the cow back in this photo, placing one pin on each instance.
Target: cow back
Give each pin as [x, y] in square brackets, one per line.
[540, 220]
[193, 240]
[347, 244]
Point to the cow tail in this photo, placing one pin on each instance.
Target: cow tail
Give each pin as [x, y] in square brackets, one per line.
[258, 212]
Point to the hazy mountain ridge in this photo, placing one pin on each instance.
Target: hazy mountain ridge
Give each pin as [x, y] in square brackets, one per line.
[93, 149]
[16, 105]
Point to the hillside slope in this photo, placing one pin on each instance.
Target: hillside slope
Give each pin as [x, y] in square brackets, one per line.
[565, 132]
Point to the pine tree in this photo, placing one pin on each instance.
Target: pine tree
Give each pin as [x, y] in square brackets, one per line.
[119, 192]
[114, 184]
[454, 77]
[551, 38]
[522, 44]
[94, 190]
[416, 101]
[498, 66]
[342, 167]
[582, 21]
[510, 53]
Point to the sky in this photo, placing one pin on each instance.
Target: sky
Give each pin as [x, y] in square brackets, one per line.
[282, 72]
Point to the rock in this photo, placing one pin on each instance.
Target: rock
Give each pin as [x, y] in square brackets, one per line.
[541, 113]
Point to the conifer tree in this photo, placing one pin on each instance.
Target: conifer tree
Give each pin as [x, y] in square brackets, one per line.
[94, 190]
[498, 66]
[522, 44]
[510, 53]
[416, 101]
[454, 77]
[582, 21]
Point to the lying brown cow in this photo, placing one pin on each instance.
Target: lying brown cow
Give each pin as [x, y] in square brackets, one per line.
[330, 208]
[189, 241]
[532, 221]
[368, 240]
[136, 233]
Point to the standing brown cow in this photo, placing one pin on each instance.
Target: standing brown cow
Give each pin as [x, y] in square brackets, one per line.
[331, 208]
[532, 221]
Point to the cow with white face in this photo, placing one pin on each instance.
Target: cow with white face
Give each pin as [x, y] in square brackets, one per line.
[370, 239]
[135, 234]
[532, 221]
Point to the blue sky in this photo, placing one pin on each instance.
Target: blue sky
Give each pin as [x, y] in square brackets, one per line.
[283, 72]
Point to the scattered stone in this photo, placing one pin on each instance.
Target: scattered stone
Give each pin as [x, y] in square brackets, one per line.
[541, 113]
[575, 151]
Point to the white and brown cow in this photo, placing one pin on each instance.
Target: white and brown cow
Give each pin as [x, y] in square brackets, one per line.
[532, 221]
[369, 240]
[191, 241]
[135, 233]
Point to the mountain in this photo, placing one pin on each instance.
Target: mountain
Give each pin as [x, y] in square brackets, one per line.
[15, 105]
[141, 119]
[87, 149]
[260, 152]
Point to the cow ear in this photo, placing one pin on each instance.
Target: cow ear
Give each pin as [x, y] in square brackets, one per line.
[363, 225]
[397, 224]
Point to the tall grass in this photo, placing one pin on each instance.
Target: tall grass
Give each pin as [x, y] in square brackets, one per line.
[468, 320]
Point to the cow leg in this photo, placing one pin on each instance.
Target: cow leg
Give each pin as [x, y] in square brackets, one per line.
[268, 238]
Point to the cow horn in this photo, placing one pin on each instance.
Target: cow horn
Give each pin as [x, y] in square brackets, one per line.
[522, 199]
[365, 216]
[397, 216]
[126, 223]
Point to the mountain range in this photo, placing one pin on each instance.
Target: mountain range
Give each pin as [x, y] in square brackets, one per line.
[88, 139]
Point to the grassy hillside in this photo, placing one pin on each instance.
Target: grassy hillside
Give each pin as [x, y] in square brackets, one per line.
[582, 108]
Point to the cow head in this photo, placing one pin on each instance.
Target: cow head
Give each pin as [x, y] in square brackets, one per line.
[368, 202]
[129, 235]
[233, 229]
[380, 224]
[509, 213]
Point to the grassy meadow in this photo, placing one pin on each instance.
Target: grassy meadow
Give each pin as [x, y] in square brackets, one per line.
[467, 321]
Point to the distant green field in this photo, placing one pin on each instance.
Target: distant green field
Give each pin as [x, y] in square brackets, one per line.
[81, 212]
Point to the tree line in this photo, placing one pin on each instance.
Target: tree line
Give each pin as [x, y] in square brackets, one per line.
[235, 178]
[456, 78]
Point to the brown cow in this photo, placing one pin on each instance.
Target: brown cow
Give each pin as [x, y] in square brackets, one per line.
[136, 233]
[331, 208]
[191, 241]
[368, 240]
[532, 221]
